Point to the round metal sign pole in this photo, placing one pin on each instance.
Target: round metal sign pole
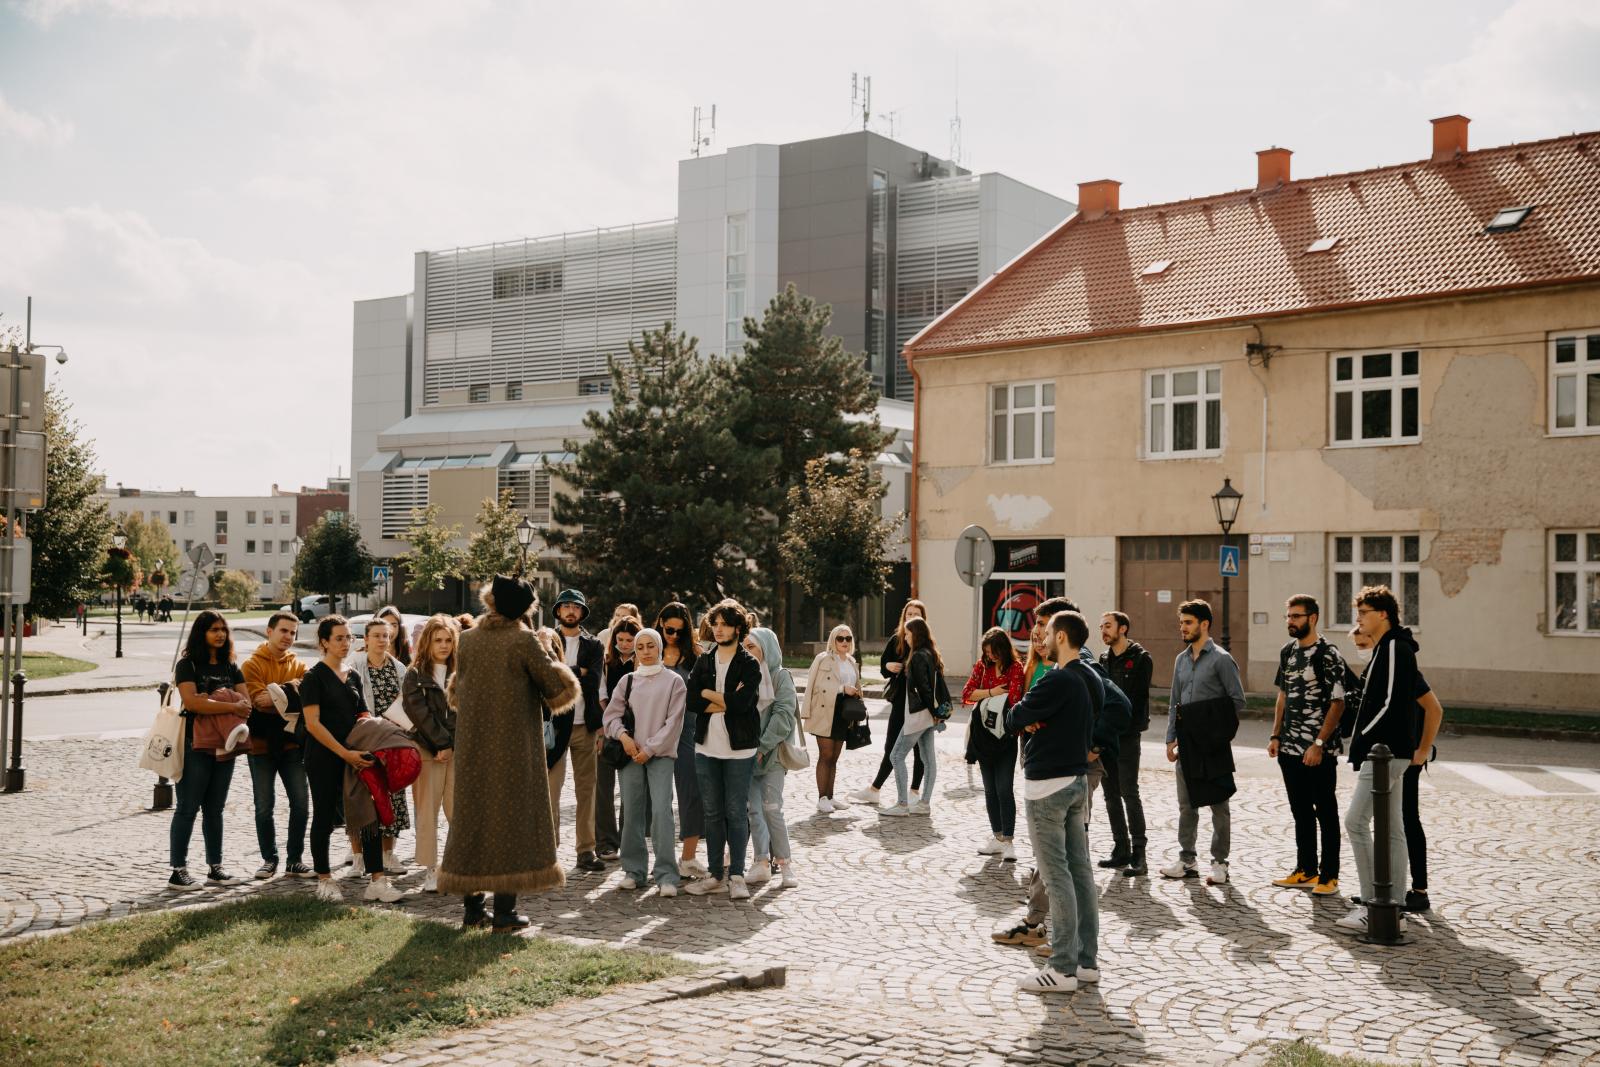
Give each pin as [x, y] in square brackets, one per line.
[974, 564]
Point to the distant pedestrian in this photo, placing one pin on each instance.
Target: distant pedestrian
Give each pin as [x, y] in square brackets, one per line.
[996, 679]
[275, 754]
[778, 706]
[424, 698]
[1128, 665]
[653, 698]
[834, 698]
[381, 674]
[205, 668]
[578, 733]
[926, 695]
[618, 665]
[678, 654]
[1202, 721]
[892, 663]
[723, 691]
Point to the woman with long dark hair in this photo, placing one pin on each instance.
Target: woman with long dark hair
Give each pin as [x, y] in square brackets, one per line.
[402, 638]
[618, 664]
[205, 671]
[998, 673]
[893, 664]
[925, 690]
[678, 654]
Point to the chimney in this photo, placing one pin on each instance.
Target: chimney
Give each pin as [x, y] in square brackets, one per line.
[1097, 198]
[1449, 137]
[1272, 168]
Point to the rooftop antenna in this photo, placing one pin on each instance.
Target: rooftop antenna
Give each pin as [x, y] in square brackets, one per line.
[703, 135]
[955, 121]
[894, 118]
[861, 95]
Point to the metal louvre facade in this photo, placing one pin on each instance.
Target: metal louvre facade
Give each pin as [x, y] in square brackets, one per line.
[936, 263]
[547, 309]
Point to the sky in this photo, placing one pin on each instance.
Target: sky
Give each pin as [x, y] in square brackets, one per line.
[195, 191]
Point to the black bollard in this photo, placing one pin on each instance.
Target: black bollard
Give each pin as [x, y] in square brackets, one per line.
[161, 799]
[1383, 911]
[16, 777]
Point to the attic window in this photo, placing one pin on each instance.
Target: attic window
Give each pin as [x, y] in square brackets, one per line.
[1322, 244]
[1508, 220]
[1156, 267]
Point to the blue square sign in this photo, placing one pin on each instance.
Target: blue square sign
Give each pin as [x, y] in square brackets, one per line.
[1229, 562]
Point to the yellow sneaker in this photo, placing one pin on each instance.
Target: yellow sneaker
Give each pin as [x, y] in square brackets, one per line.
[1297, 880]
[1326, 887]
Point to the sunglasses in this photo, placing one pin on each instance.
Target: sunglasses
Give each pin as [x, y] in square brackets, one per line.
[843, 640]
[672, 631]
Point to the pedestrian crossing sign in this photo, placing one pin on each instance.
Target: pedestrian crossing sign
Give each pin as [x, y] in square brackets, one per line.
[380, 573]
[1229, 563]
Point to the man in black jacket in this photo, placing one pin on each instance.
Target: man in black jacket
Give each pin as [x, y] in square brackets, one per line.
[1131, 667]
[1057, 716]
[578, 731]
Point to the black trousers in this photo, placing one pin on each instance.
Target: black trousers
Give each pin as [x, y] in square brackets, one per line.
[1120, 789]
[897, 719]
[325, 772]
[1416, 840]
[1313, 804]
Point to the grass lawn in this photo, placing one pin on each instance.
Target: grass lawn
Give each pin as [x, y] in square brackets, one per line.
[49, 665]
[278, 980]
[803, 663]
[1304, 1054]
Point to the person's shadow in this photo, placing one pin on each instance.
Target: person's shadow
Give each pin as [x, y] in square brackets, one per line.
[1083, 1028]
[1147, 915]
[1234, 919]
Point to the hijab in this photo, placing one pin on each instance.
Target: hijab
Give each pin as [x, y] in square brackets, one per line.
[656, 667]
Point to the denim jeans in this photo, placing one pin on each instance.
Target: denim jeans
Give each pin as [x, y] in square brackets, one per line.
[648, 786]
[923, 744]
[724, 789]
[999, 791]
[265, 770]
[691, 813]
[1189, 825]
[1061, 849]
[769, 833]
[1358, 826]
[203, 791]
[897, 718]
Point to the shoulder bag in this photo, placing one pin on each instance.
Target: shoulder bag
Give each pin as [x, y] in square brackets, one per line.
[612, 751]
[792, 756]
[163, 745]
[991, 712]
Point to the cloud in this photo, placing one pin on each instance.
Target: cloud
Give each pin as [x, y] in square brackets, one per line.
[287, 189]
[33, 129]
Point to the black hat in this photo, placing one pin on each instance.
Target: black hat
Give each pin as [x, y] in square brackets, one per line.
[512, 596]
[573, 596]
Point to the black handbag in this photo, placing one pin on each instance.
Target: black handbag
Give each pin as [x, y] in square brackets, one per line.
[848, 709]
[857, 735]
[612, 751]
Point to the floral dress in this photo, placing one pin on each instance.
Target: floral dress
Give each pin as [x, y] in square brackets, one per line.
[385, 691]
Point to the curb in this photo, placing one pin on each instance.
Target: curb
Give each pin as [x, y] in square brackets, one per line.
[133, 688]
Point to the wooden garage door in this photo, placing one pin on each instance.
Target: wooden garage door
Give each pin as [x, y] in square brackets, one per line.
[1156, 574]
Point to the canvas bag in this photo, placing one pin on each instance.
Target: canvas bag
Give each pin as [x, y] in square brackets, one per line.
[163, 745]
[992, 714]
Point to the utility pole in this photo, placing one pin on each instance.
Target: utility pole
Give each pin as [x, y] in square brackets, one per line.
[10, 611]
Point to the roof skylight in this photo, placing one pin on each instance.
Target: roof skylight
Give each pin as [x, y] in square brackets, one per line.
[1322, 244]
[1156, 267]
[1508, 219]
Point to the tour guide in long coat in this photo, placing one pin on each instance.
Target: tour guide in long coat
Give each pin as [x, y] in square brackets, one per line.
[502, 840]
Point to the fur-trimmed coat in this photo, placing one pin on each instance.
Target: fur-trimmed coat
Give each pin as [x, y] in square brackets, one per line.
[502, 838]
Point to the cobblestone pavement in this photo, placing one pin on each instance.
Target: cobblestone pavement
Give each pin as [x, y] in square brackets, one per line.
[887, 947]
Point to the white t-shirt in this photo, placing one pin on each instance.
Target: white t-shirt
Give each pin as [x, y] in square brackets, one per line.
[1038, 790]
[438, 674]
[716, 745]
[572, 661]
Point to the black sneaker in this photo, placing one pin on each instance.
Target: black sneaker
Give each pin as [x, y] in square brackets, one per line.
[1020, 934]
[181, 880]
[266, 871]
[298, 870]
[588, 862]
[608, 855]
[1117, 859]
[1416, 902]
[218, 876]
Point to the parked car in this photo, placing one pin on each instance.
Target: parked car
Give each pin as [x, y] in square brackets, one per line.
[309, 608]
[358, 628]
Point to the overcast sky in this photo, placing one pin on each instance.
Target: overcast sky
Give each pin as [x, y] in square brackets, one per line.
[194, 191]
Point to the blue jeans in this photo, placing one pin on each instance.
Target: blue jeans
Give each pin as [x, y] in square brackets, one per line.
[1358, 826]
[769, 833]
[648, 787]
[1061, 849]
[202, 789]
[724, 787]
[923, 743]
[265, 769]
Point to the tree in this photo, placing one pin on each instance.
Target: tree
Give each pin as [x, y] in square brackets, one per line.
[434, 557]
[493, 548]
[236, 589]
[150, 541]
[666, 501]
[799, 393]
[120, 570]
[837, 543]
[73, 530]
[333, 560]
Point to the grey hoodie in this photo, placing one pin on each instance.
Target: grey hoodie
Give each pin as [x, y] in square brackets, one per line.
[778, 717]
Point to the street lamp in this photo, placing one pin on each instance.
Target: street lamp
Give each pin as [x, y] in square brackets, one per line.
[295, 546]
[1226, 500]
[526, 532]
[119, 547]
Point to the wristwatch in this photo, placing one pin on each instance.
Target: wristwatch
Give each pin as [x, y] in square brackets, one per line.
[1275, 737]
[1320, 743]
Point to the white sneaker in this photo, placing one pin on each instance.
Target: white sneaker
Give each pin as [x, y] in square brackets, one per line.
[866, 795]
[1088, 974]
[896, 810]
[1008, 852]
[629, 882]
[760, 871]
[1356, 920]
[692, 869]
[789, 880]
[824, 806]
[992, 847]
[838, 804]
[737, 889]
[430, 884]
[392, 864]
[327, 890]
[704, 886]
[358, 864]
[382, 890]
[667, 890]
[1180, 870]
[916, 795]
[919, 807]
[1218, 875]
[1048, 980]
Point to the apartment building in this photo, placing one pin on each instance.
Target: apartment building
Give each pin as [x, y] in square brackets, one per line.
[1399, 368]
[247, 533]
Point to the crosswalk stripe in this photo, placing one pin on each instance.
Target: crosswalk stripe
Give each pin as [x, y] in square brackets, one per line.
[1588, 779]
[1494, 780]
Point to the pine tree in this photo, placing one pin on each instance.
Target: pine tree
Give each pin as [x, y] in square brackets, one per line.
[799, 393]
[836, 547]
[493, 548]
[666, 501]
[72, 532]
[333, 560]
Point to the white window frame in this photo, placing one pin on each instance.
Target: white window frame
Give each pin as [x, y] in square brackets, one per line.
[1340, 615]
[1585, 364]
[1165, 403]
[1397, 383]
[1584, 569]
[1042, 442]
[735, 282]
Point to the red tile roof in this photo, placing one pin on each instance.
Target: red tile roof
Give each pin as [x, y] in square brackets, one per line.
[1405, 232]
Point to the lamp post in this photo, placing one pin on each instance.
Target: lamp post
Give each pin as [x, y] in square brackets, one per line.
[526, 533]
[1226, 500]
[119, 545]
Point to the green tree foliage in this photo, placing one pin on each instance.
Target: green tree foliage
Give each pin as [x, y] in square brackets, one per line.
[667, 498]
[333, 560]
[798, 392]
[493, 548]
[73, 530]
[150, 541]
[120, 570]
[434, 557]
[836, 546]
[236, 590]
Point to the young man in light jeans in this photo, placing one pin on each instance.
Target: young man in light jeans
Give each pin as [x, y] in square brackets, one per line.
[274, 754]
[1057, 716]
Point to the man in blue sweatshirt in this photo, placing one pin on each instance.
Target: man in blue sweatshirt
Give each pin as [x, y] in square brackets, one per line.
[1057, 716]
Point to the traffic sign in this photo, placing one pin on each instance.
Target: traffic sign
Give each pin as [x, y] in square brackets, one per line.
[380, 572]
[191, 586]
[1228, 563]
[21, 590]
[201, 556]
[974, 556]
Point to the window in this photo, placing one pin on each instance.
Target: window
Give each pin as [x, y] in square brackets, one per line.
[283, 547]
[172, 518]
[1393, 560]
[1183, 412]
[1374, 398]
[222, 559]
[1321, 244]
[283, 517]
[188, 545]
[1022, 422]
[266, 517]
[530, 491]
[188, 518]
[478, 394]
[403, 491]
[1575, 382]
[507, 283]
[735, 271]
[266, 577]
[513, 390]
[1508, 219]
[1575, 581]
[266, 547]
[249, 518]
[249, 548]
[221, 528]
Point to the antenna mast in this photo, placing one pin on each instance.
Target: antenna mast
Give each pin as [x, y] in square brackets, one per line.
[955, 122]
[861, 96]
[702, 136]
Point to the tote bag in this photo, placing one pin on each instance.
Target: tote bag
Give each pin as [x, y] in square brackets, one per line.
[163, 745]
[992, 713]
[794, 757]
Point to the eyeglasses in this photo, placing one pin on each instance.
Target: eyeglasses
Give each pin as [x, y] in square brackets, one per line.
[672, 631]
[1366, 611]
[1292, 617]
